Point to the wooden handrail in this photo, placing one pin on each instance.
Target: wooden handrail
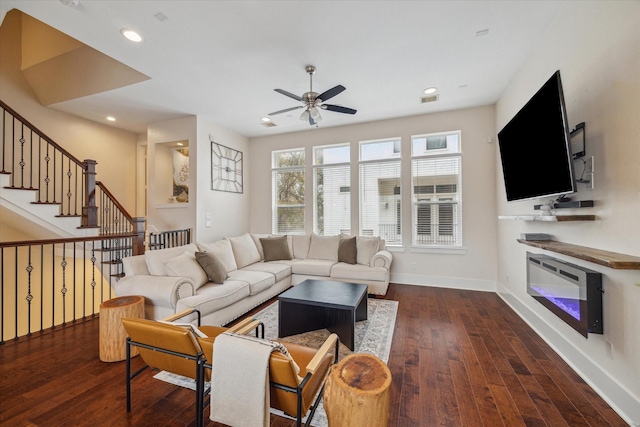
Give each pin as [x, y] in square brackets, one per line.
[67, 240]
[42, 135]
[114, 200]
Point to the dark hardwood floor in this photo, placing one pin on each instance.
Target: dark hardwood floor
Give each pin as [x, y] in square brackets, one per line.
[458, 358]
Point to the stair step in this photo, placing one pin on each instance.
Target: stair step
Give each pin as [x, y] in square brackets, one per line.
[112, 262]
[69, 216]
[118, 275]
[46, 203]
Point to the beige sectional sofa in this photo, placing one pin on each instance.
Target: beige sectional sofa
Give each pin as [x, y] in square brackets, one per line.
[172, 280]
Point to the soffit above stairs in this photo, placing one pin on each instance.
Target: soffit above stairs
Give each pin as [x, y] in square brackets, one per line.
[60, 68]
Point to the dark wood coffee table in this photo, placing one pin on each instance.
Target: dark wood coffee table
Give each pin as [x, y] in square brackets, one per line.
[317, 304]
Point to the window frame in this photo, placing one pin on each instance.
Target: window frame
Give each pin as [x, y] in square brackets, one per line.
[324, 166]
[394, 158]
[275, 170]
[437, 201]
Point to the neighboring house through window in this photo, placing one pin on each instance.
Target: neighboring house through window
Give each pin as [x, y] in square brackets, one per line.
[288, 187]
[380, 190]
[436, 189]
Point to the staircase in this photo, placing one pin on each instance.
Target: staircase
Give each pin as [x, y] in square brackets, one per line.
[79, 232]
[20, 209]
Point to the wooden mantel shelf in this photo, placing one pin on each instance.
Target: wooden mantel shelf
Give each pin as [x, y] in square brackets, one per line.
[550, 218]
[608, 259]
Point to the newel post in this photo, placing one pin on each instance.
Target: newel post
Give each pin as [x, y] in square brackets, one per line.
[138, 241]
[90, 210]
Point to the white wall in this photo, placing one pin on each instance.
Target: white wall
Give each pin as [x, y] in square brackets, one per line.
[162, 215]
[474, 268]
[229, 211]
[596, 47]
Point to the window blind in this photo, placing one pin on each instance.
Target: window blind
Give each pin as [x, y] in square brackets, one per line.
[436, 196]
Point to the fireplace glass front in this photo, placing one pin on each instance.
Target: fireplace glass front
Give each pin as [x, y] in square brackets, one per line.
[571, 292]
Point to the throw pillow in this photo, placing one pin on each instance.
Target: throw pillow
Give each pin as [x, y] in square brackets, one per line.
[186, 265]
[367, 247]
[244, 250]
[212, 266]
[256, 239]
[300, 245]
[223, 251]
[157, 259]
[275, 248]
[347, 250]
[324, 247]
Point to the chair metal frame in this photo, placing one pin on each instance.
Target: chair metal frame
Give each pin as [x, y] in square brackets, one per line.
[299, 390]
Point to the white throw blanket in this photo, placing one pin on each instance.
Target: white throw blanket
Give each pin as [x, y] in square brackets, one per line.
[240, 380]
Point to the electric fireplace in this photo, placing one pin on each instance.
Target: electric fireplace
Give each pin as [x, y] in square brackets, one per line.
[571, 292]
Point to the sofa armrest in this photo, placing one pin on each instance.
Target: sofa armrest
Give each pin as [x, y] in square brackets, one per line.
[381, 259]
[163, 291]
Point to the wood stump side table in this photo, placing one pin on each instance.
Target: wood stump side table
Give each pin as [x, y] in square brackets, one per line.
[357, 392]
[113, 336]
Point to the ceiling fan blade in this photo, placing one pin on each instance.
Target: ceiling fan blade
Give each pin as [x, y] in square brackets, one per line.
[285, 110]
[338, 109]
[289, 94]
[331, 92]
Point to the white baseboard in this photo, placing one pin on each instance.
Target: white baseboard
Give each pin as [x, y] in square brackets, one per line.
[443, 282]
[614, 393]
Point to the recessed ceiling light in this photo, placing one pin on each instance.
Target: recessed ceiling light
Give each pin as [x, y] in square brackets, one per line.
[131, 35]
[266, 119]
[430, 90]
[111, 119]
[180, 144]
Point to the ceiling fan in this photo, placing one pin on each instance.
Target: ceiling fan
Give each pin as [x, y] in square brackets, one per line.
[313, 101]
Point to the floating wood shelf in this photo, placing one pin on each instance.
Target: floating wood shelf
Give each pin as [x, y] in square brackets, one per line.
[550, 218]
[608, 259]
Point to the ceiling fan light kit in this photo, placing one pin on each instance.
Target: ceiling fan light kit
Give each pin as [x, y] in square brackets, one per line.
[313, 101]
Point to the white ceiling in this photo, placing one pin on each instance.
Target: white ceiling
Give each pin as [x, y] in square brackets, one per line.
[222, 59]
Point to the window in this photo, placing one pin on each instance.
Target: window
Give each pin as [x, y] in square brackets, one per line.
[332, 190]
[288, 191]
[436, 189]
[380, 190]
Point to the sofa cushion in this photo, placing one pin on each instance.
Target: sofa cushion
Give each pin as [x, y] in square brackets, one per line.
[313, 267]
[256, 239]
[221, 296]
[300, 244]
[244, 250]
[156, 260]
[279, 270]
[344, 271]
[258, 280]
[367, 247]
[348, 250]
[213, 268]
[223, 251]
[275, 248]
[324, 247]
[136, 264]
[185, 265]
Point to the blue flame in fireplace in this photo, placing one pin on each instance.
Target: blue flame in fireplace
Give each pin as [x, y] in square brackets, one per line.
[570, 306]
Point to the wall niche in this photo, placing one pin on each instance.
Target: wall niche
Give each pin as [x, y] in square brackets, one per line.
[172, 172]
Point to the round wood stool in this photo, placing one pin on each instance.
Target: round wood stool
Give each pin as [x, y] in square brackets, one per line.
[113, 336]
[357, 392]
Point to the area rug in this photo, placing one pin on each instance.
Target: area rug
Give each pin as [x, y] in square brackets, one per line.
[372, 336]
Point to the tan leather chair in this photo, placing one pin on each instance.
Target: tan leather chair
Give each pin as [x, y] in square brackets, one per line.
[177, 349]
[291, 395]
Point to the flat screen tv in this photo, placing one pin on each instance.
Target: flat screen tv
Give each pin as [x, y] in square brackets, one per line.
[535, 147]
